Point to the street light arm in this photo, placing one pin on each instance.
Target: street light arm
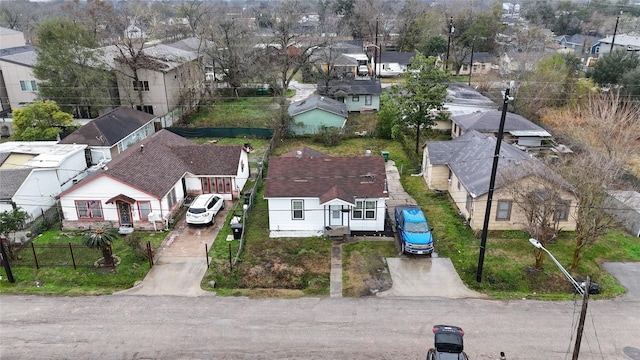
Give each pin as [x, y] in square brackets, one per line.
[575, 284]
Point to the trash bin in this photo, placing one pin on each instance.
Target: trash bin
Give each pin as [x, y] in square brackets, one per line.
[247, 197]
[237, 230]
[385, 155]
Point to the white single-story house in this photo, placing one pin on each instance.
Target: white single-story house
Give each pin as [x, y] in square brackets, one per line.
[32, 173]
[309, 192]
[147, 183]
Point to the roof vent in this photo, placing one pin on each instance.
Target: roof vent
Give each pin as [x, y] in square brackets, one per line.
[367, 152]
[141, 147]
[298, 154]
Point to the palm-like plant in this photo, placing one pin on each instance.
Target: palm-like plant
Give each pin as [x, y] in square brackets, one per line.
[101, 238]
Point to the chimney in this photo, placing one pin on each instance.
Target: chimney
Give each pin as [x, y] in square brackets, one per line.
[141, 148]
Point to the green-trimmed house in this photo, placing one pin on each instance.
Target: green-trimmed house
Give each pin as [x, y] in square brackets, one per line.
[316, 111]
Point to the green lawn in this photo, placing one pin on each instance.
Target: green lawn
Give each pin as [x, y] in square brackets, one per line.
[258, 112]
[86, 279]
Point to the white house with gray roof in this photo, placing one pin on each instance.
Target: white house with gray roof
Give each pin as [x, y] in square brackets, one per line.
[462, 167]
[33, 173]
[621, 41]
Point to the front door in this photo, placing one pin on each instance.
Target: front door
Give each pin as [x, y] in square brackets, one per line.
[335, 215]
[124, 212]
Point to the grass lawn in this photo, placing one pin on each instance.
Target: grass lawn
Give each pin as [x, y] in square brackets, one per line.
[86, 279]
[509, 257]
[259, 112]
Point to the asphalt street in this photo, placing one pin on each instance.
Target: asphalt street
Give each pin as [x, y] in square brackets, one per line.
[170, 327]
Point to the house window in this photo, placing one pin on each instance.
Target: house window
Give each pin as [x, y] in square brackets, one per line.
[172, 199]
[365, 209]
[28, 85]
[355, 98]
[368, 99]
[89, 209]
[469, 204]
[504, 210]
[141, 85]
[144, 207]
[562, 211]
[297, 209]
[145, 108]
[465, 68]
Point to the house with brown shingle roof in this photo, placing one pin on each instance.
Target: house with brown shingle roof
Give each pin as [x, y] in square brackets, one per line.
[149, 182]
[113, 132]
[309, 192]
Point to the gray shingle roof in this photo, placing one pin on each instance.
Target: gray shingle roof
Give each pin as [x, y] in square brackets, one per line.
[481, 57]
[322, 177]
[110, 128]
[166, 157]
[11, 180]
[402, 58]
[351, 87]
[489, 121]
[318, 102]
[470, 158]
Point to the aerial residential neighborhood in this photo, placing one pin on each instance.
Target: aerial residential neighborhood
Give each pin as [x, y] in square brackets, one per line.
[320, 179]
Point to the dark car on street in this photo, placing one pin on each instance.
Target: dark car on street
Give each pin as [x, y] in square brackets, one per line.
[448, 343]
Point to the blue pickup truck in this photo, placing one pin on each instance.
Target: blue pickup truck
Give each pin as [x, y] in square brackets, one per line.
[413, 230]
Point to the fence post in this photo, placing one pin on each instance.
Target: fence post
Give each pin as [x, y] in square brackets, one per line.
[35, 257]
[73, 260]
[206, 254]
[150, 254]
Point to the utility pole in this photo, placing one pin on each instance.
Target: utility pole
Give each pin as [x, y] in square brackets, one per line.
[615, 30]
[492, 183]
[446, 60]
[375, 54]
[5, 261]
[583, 314]
[471, 60]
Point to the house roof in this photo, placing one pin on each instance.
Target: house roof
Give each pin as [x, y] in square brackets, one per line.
[622, 39]
[463, 99]
[470, 158]
[402, 58]
[481, 57]
[38, 154]
[24, 58]
[318, 102]
[351, 87]
[16, 50]
[326, 178]
[110, 128]
[306, 152]
[163, 158]
[11, 180]
[489, 121]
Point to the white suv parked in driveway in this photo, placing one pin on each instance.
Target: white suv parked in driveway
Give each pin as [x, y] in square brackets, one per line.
[203, 209]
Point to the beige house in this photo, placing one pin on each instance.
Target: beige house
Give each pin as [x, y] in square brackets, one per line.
[170, 79]
[462, 167]
[19, 83]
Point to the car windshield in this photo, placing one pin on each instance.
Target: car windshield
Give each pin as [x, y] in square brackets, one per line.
[419, 227]
[197, 210]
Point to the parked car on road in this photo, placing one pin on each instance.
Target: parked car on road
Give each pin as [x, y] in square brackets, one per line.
[448, 344]
[204, 208]
[413, 230]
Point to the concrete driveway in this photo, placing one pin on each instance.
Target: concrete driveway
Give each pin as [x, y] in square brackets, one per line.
[423, 276]
[415, 275]
[628, 274]
[181, 262]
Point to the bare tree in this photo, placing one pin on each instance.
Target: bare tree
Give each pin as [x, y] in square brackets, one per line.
[287, 53]
[604, 131]
[541, 195]
[97, 16]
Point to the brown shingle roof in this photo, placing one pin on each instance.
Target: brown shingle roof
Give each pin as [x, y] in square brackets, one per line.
[344, 177]
[164, 157]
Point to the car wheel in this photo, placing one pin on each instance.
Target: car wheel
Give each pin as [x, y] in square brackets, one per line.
[222, 206]
[402, 249]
